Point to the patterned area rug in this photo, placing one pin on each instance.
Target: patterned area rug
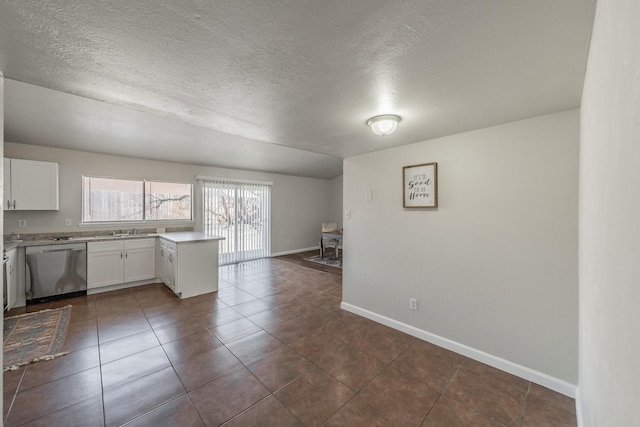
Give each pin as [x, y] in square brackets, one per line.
[34, 337]
[329, 260]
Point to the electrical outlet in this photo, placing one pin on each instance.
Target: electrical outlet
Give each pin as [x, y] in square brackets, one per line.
[347, 214]
[67, 221]
[22, 223]
[413, 304]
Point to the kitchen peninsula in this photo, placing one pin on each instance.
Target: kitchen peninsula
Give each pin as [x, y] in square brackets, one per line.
[189, 262]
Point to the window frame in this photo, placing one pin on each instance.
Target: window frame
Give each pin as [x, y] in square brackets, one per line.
[144, 220]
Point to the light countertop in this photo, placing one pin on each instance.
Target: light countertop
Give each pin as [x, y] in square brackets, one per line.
[11, 245]
[189, 236]
[176, 237]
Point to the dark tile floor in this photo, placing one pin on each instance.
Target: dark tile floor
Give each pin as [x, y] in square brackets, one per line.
[271, 348]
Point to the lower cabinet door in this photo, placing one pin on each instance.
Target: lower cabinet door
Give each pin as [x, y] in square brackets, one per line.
[12, 278]
[104, 268]
[171, 271]
[139, 264]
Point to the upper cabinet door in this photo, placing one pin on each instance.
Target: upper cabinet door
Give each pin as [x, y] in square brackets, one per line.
[6, 172]
[34, 185]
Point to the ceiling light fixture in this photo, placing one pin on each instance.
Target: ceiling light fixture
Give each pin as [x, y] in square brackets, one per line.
[383, 125]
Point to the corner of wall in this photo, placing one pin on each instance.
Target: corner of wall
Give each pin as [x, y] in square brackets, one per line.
[508, 204]
[1, 187]
[532, 375]
[579, 416]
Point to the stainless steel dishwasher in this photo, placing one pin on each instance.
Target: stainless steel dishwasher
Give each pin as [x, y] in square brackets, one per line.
[55, 272]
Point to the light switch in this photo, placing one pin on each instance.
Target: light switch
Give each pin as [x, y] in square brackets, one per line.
[369, 195]
[347, 214]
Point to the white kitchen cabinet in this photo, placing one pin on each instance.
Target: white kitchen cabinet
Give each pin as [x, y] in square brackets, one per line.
[105, 263]
[160, 259]
[12, 277]
[172, 265]
[168, 263]
[30, 185]
[163, 260]
[170, 280]
[139, 259]
[120, 261]
[190, 268]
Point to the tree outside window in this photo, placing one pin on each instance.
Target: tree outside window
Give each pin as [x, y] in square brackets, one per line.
[127, 200]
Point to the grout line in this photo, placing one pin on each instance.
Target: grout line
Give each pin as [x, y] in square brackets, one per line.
[524, 405]
[293, 380]
[249, 408]
[455, 374]
[130, 292]
[104, 412]
[443, 392]
[15, 394]
[466, 359]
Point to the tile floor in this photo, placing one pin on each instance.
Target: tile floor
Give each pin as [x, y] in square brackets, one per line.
[271, 348]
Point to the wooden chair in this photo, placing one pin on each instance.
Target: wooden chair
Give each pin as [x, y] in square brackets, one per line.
[328, 227]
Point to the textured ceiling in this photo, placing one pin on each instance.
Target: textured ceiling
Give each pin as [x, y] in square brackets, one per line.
[234, 83]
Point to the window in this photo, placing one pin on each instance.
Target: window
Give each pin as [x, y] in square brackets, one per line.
[167, 200]
[129, 200]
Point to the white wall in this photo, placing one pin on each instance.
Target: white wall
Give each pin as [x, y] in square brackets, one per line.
[1, 189]
[299, 205]
[495, 266]
[609, 220]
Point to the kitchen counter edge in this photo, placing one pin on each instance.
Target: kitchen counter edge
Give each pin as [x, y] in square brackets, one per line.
[189, 236]
[177, 237]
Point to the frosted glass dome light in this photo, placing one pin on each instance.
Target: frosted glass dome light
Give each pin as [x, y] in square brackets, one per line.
[383, 125]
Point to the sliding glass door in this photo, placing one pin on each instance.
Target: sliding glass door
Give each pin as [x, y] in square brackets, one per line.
[240, 212]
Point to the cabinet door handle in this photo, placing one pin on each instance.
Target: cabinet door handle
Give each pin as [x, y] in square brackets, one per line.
[8, 204]
[120, 254]
[161, 252]
[14, 204]
[126, 254]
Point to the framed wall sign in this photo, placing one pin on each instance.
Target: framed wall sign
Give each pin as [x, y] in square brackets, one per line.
[420, 186]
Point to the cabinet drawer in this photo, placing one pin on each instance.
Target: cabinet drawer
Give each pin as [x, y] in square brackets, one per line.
[139, 243]
[104, 246]
[170, 246]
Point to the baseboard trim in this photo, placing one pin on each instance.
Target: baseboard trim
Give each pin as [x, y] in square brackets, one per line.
[102, 289]
[579, 418]
[540, 378]
[295, 251]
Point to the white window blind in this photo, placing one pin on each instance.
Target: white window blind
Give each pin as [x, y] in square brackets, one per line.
[241, 213]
